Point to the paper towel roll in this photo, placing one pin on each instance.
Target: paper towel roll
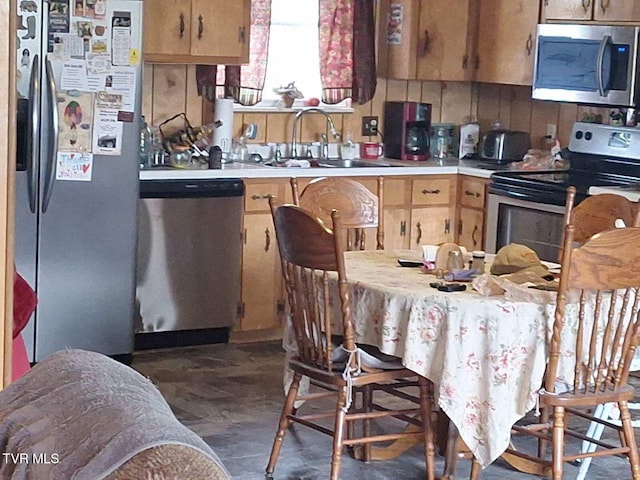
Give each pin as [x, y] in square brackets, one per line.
[223, 112]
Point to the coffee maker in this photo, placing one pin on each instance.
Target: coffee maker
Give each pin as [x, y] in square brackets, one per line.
[407, 128]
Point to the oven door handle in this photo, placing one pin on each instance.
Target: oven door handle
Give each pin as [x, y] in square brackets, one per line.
[606, 40]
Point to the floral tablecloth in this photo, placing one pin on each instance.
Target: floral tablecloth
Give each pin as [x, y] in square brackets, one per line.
[485, 355]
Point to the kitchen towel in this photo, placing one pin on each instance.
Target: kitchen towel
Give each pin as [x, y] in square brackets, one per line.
[223, 113]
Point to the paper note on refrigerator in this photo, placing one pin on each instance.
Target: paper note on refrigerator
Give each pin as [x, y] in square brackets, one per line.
[75, 166]
[75, 113]
[107, 130]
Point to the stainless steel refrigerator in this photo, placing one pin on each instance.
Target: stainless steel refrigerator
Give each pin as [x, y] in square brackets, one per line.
[79, 82]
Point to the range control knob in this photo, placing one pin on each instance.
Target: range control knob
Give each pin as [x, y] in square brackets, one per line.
[579, 134]
[588, 136]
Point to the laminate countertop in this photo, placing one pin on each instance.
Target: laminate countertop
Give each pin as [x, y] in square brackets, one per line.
[251, 170]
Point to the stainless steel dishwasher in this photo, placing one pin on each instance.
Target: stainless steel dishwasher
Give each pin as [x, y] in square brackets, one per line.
[188, 261]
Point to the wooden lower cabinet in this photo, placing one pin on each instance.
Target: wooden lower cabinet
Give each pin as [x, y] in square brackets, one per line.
[471, 228]
[262, 306]
[418, 210]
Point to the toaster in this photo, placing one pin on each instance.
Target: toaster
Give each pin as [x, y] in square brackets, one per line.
[505, 145]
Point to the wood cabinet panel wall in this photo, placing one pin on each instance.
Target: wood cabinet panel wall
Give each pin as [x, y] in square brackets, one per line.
[591, 10]
[196, 31]
[461, 40]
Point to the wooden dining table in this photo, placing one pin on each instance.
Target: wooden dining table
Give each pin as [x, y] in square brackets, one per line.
[485, 355]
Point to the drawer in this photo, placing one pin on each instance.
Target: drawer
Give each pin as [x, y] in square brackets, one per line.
[431, 191]
[256, 196]
[472, 193]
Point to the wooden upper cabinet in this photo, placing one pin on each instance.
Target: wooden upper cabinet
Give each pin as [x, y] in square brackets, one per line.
[427, 39]
[597, 10]
[446, 39]
[506, 41]
[567, 9]
[197, 31]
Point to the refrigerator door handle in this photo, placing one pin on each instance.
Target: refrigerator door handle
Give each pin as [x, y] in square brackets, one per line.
[34, 133]
[52, 152]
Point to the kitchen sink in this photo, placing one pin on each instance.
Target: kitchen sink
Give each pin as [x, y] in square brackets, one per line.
[340, 163]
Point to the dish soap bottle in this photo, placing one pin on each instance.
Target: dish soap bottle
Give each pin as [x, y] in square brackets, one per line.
[348, 149]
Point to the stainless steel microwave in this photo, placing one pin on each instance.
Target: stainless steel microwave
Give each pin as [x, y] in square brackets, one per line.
[595, 64]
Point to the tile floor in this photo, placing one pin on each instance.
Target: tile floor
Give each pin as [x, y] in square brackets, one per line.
[231, 395]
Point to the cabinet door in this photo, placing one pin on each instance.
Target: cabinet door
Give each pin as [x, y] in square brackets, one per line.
[219, 28]
[471, 229]
[617, 11]
[445, 39]
[506, 43]
[396, 231]
[261, 276]
[567, 9]
[167, 27]
[431, 226]
[472, 193]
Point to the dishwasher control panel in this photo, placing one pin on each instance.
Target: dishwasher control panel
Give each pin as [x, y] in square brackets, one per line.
[210, 188]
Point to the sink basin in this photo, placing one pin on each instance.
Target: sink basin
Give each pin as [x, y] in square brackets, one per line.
[340, 163]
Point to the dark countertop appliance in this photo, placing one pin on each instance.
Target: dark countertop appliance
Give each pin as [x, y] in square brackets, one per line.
[504, 146]
[528, 207]
[407, 130]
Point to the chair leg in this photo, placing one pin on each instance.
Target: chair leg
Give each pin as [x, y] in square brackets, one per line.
[366, 423]
[284, 423]
[475, 469]
[627, 428]
[426, 406]
[558, 442]
[338, 434]
[594, 431]
[542, 443]
[451, 454]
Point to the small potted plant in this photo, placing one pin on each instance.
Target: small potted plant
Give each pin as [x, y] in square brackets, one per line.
[287, 94]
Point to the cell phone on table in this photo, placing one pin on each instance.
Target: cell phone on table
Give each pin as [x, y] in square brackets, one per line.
[452, 287]
[409, 263]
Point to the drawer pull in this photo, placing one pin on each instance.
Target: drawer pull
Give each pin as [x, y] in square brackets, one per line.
[529, 45]
[431, 192]
[469, 193]
[419, 237]
[473, 236]
[181, 25]
[586, 4]
[261, 197]
[267, 239]
[200, 27]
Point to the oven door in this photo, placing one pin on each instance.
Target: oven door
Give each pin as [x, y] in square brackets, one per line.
[536, 225]
[586, 63]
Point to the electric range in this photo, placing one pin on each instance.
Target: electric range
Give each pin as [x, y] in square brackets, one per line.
[599, 155]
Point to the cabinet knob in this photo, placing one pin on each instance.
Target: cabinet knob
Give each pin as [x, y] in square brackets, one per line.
[419, 237]
[200, 27]
[529, 45]
[427, 42]
[181, 25]
[403, 228]
[431, 192]
[465, 62]
[261, 197]
[447, 226]
[473, 235]
[241, 35]
[604, 4]
[267, 239]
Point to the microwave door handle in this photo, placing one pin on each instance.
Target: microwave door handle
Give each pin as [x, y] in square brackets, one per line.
[52, 151]
[34, 132]
[606, 40]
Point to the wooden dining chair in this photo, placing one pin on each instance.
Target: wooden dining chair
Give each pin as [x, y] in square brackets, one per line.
[313, 267]
[359, 208]
[597, 213]
[600, 286]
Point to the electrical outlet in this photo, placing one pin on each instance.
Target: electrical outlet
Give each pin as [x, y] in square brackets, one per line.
[552, 131]
[369, 126]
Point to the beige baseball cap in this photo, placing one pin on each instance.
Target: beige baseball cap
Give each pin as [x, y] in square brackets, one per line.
[516, 258]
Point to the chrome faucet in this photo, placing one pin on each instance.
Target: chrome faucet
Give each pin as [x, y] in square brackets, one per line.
[325, 145]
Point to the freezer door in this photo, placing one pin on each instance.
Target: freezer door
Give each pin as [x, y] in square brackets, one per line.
[87, 235]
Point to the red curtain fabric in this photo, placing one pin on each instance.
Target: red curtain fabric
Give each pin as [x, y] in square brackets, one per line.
[335, 39]
[243, 83]
[347, 50]
[364, 51]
